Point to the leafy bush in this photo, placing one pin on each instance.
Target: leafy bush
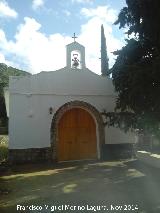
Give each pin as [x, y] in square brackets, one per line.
[3, 148]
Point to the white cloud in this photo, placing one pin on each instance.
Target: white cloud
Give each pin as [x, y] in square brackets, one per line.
[2, 58]
[34, 51]
[90, 35]
[102, 12]
[82, 1]
[9, 63]
[2, 36]
[37, 4]
[6, 11]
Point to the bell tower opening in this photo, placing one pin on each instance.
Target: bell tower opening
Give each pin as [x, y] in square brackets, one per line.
[75, 55]
[76, 60]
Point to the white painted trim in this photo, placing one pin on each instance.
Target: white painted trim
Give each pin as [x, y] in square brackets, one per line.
[64, 94]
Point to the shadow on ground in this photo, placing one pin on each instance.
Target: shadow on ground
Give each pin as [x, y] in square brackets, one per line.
[121, 186]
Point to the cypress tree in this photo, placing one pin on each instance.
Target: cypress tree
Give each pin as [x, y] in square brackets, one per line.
[104, 58]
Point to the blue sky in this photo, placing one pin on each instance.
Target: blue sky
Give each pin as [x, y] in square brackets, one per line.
[33, 33]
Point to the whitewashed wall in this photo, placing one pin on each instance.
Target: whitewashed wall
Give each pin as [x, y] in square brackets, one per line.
[117, 136]
[32, 96]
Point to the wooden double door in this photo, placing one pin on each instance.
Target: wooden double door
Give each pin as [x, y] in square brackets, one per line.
[76, 136]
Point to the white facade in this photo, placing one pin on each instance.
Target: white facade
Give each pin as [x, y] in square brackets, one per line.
[31, 97]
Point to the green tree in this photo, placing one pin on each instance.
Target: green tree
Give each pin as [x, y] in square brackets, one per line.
[5, 72]
[136, 72]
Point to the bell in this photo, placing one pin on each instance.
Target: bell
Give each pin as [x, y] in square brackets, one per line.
[75, 64]
[75, 61]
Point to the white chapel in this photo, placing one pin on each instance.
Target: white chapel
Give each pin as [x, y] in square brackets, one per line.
[58, 115]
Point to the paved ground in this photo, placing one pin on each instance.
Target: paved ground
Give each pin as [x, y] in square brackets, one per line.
[121, 186]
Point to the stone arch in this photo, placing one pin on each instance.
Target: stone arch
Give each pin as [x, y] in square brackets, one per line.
[64, 108]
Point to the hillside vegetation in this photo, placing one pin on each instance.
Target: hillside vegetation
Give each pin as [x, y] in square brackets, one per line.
[5, 72]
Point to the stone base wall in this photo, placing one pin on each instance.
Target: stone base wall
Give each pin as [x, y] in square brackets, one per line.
[42, 155]
[117, 151]
[32, 155]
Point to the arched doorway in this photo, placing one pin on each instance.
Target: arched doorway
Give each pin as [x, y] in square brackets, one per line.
[100, 140]
[76, 136]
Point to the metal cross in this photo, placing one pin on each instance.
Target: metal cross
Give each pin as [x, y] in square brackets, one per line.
[74, 37]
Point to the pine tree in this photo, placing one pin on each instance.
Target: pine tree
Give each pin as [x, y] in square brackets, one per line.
[136, 73]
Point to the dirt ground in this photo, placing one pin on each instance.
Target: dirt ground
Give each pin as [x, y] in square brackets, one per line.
[119, 186]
